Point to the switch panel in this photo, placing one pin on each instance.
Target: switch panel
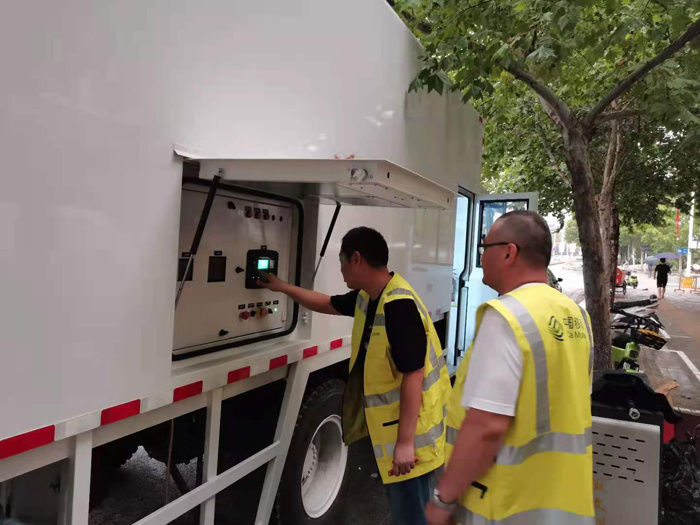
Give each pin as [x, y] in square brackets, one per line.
[222, 305]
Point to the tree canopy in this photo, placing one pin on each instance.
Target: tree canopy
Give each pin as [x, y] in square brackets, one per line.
[561, 84]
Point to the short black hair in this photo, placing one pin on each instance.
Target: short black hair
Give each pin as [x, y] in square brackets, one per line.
[663, 259]
[369, 243]
[529, 231]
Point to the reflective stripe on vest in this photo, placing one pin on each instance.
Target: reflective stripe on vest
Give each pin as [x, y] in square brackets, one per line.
[451, 435]
[362, 304]
[528, 517]
[539, 356]
[394, 396]
[428, 438]
[552, 442]
[590, 338]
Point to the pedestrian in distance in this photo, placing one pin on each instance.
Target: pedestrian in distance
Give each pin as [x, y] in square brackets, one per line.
[398, 384]
[661, 274]
[519, 418]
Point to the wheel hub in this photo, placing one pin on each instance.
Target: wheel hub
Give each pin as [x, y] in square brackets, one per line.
[310, 462]
[324, 467]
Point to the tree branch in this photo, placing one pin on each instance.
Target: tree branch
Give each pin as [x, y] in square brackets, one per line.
[692, 32]
[550, 154]
[610, 157]
[560, 108]
[613, 164]
[618, 115]
[617, 166]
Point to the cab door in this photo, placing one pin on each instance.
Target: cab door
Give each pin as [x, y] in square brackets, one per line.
[472, 291]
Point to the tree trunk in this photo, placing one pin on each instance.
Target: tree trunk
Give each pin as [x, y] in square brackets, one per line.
[609, 217]
[612, 241]
[610, 232]
[587, 220]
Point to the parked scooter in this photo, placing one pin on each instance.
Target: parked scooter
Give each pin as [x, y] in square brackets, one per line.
[634, 326]
[631, 280]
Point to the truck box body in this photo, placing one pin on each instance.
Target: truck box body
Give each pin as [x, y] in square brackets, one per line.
[96, 97]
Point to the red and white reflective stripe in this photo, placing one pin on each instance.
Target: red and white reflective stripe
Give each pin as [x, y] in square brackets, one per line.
[119, 412]
[237, 375]
[185, 391]
[43, 436]
[310, 352]
[277, 362]
[27, 441]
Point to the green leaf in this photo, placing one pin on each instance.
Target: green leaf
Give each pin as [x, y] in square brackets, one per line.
[501, 51]
[541, 53]
[563, 22]
[683, 83]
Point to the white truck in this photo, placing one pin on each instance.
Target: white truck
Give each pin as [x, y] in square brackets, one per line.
[157, 154]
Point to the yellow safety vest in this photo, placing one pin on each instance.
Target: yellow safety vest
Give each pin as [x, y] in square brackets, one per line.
[382, 386]
[543, 473]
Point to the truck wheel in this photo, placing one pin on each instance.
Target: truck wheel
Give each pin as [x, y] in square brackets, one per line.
[315, 469]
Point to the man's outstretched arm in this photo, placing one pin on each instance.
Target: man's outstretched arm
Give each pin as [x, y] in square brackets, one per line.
[316, 301]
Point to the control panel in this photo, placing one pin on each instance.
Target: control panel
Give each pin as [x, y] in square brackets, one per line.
[221, 304]
[257, 262]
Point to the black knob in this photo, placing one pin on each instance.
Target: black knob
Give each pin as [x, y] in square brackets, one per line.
[231, 205]
[269, 310]
[223, 332]
[239, 269]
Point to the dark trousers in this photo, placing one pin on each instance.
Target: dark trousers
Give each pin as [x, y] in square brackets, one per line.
[407, 499]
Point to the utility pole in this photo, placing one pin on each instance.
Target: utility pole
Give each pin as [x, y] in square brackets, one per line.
[690, 235]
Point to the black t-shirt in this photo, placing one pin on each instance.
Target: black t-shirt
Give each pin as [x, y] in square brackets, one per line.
[404, 329]
[662, 270]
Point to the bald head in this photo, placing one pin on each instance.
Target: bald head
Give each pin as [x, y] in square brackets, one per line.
[531, 234]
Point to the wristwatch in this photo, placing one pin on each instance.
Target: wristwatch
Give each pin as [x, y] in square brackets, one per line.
[444, 505]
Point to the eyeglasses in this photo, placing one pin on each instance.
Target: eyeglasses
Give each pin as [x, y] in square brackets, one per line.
[482, 247]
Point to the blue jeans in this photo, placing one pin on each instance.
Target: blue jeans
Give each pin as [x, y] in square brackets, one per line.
[407, 499]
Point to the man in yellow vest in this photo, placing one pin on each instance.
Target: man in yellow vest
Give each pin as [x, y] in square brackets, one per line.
[519, 418]
[398, 383]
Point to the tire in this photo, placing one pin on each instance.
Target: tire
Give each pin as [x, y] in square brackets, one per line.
[319, 457]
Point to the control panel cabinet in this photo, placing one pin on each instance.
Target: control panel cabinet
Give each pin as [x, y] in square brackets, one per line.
[246, 232]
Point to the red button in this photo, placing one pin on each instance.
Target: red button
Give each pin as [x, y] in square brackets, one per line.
[263, 312]
[244, 315]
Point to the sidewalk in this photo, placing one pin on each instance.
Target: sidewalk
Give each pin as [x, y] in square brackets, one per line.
[680, 358]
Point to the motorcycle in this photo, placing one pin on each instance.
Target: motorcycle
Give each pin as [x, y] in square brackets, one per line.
[635, 325]
[631, 280]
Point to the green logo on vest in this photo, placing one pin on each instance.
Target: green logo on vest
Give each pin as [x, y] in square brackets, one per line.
[556, 329]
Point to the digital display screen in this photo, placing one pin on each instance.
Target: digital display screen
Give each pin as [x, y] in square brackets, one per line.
[263, 264]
